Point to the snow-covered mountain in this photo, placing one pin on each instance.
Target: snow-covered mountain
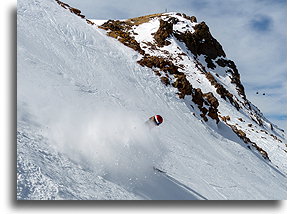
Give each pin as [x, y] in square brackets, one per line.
[85, 88]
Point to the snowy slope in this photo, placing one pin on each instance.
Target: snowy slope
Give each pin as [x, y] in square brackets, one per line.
[81, 102]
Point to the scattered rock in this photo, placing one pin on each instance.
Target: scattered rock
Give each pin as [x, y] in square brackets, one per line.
[240, 119]
[225, 118]
[235, 76]
[90, 22]
[261, 151]
[211, 99]
[223, 92]
[74, 10]
[246, 140]
[208, 99]
[191, 18]
[165, 80]
[159, 62]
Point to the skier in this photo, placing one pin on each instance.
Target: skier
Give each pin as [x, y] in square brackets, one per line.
[154, 121]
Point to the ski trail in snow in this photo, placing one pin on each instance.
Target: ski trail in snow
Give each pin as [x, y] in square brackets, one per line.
[215, 187]
[196, 194]
[161, 186]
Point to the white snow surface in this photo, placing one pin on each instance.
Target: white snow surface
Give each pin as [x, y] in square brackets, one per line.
[81, 103]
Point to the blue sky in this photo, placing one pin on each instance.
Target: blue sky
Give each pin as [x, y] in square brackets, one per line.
[252, 33]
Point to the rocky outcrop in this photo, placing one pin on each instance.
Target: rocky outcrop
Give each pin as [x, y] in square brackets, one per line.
[62, 4]
[221, 90]
[225, 118]
[201, 42]
[235, 76]
[159, 62]
[197, 97]
[164, 31]
[74, 10]
[183, 85]
[213, 104]
[190, 18]
[165, 80]
[120, 30]
[241, 134]
[204, 101]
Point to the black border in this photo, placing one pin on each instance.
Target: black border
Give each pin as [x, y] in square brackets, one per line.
[59, 205]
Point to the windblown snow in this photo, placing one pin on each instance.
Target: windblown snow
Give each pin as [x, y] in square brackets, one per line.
[82, 100]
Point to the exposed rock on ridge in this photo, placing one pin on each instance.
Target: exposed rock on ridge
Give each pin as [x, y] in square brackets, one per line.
[201, 42]
[164, 31]
[74, 10]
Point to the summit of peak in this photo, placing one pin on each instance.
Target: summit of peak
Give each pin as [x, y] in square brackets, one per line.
[165, 16]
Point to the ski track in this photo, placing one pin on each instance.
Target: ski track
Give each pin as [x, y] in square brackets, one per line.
[81, 98]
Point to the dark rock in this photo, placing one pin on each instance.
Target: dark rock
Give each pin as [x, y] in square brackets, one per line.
[191, 18]
[211, 100]
[183, 85]
[165, 80]
[75, 11]
[164, 31]
[64, 5]
[209, 62]
[201, 42]
[225, 118]
[159, 62]
[119, 30]
[208, 99]
[114, 25]
[221, 62]
[235, 79]
[90, 22]
[197, 97]
[204, 110]
[211, 78]
[221, 90]
[212, 113]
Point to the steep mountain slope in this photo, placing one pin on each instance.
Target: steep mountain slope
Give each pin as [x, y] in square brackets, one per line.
[82, 98]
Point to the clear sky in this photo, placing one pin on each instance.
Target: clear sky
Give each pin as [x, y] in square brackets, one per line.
[252, 33]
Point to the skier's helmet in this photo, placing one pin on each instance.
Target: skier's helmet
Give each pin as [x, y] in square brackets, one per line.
[158, 119]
